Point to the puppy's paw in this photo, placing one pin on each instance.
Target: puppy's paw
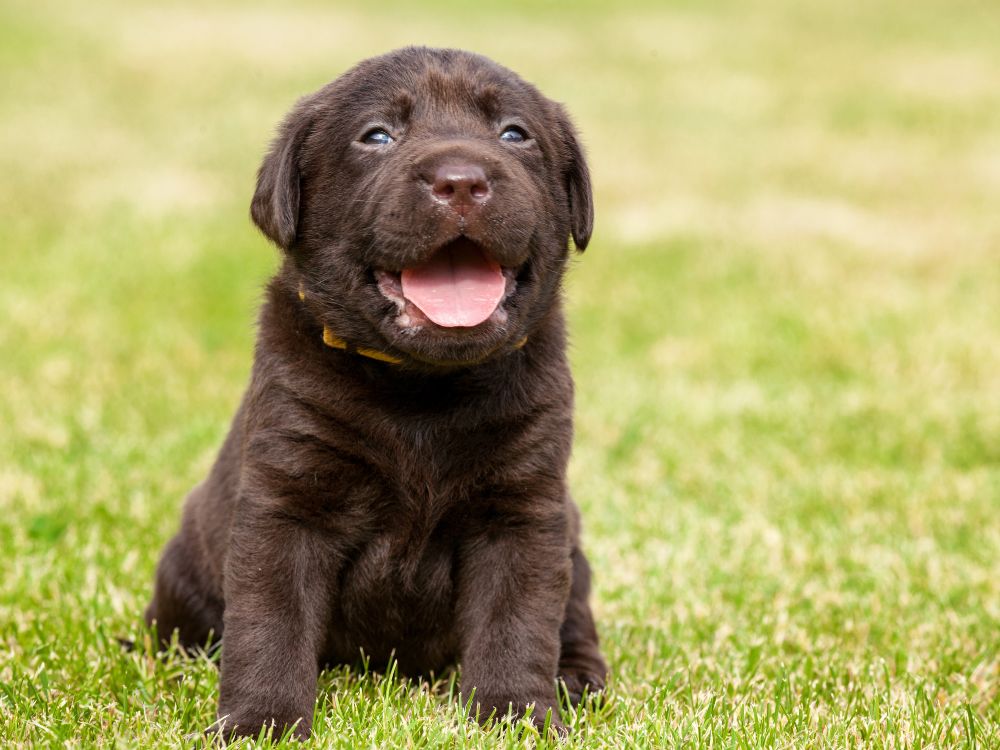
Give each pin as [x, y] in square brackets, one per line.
[231, 727]
[581, 680]
[543, 713]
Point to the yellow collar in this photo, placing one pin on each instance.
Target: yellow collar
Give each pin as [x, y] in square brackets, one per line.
[335, 342]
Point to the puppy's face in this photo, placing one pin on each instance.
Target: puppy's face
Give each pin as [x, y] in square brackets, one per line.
[426, 199]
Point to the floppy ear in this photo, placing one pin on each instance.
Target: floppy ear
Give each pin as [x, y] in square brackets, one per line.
[577, 176]
[275, 204]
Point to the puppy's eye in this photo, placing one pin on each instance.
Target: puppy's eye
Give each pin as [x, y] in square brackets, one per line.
[377, 137]
[513, 134]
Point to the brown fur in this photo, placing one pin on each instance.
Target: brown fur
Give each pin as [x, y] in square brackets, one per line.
[417, 509]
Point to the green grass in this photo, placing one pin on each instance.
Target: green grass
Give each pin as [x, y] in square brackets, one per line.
[786, 338]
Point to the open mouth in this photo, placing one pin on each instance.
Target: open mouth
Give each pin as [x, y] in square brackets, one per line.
[459, 286]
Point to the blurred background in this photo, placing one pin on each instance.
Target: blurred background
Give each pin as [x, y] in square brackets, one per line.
[786, 338]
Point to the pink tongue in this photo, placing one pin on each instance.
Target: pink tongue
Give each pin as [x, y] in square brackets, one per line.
[458, 287]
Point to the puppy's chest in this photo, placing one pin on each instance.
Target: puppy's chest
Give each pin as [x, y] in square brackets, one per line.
[431, 488]
[410, 551]
[430, 460]
[401, 582]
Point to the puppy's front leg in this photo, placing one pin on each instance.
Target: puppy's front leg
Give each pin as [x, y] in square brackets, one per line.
[513, 586]
[276, 591]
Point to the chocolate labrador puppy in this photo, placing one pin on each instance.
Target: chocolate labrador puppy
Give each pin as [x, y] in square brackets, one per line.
[394, 481]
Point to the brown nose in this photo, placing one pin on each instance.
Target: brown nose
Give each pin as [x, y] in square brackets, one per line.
[461, 186]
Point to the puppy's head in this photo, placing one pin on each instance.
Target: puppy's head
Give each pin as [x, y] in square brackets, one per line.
[426, 199]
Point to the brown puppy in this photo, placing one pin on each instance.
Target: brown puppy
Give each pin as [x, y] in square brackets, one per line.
[395, 478]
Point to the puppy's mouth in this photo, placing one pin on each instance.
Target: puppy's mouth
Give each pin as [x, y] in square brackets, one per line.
[459, 286]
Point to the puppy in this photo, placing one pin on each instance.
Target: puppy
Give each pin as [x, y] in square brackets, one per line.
[394, 481]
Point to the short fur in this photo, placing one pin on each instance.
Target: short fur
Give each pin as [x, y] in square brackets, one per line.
[416, 510]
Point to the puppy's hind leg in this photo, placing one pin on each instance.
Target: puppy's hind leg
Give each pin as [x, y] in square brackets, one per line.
[182, 599]
[581, 666]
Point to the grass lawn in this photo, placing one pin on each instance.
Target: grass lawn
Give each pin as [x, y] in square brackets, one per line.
[786, 339]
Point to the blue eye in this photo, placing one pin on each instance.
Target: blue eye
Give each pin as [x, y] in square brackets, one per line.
[377, 137]
[513, 134]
